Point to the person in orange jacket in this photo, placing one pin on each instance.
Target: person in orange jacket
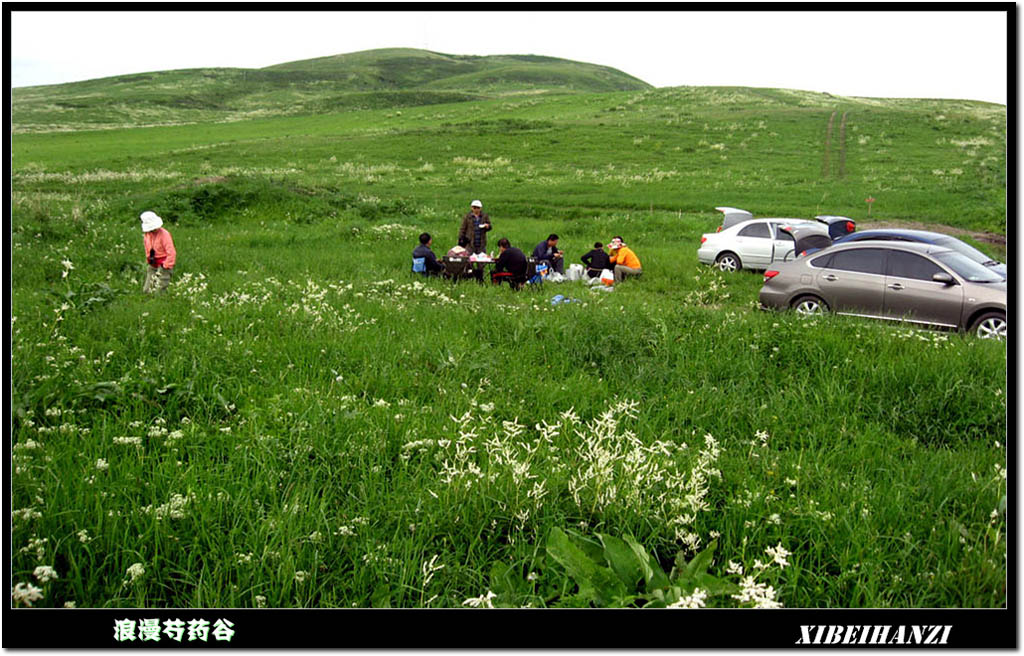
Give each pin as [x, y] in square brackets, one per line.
[623, 259]
[160, 253]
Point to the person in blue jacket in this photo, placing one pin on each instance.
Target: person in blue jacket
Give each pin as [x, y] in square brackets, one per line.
[547, 251]
[423, 259]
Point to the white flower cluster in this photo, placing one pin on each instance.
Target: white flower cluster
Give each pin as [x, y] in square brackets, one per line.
[38, 545]
[395, 296]
[99, 175]
[605, 467]
[25, 593]
[753, 592]
[695, 599]
[173, 509]
[45, 574]
[757, 594]
[135, 571]
[124, 439]
[393, 231]
[483, 601]
[26, 514]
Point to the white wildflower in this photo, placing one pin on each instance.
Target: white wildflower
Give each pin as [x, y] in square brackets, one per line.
[759, 594]
[134, 572]
[778, 554]
[483, 601]
[137, 441]
[429, 568]
[45, 573]
[25, 593]
[695, 599]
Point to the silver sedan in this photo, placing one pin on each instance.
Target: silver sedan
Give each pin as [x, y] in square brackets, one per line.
[919, 283]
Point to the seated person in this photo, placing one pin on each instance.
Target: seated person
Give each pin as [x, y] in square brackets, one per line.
[423, 259]
[548, 252]
[462, 249]
[625, 260]
[596, 260]
[464, 271]
[510, 266]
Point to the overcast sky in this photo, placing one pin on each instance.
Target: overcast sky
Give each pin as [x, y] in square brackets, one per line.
[905, 54]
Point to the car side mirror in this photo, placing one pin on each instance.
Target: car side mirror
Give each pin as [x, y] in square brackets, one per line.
[944, 278]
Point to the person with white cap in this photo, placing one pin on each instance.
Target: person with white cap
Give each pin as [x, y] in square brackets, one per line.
[624, 260]
[475, 226]
[160, 253]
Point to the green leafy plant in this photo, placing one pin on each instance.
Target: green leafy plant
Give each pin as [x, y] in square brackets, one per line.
[613, 572]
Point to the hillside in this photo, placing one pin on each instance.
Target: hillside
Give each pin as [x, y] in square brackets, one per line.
[407, 68]
[373, 79]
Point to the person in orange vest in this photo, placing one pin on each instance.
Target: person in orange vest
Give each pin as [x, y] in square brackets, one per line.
[623, 259]
[160, 253]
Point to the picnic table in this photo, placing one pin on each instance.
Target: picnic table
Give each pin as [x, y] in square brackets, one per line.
[463, 267]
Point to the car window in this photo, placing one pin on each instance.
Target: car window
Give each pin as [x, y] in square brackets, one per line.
[862, 260]
[909, 265]
[759, 230]
[822, 262]
[968, 268]
[781, 234]
[961, 247]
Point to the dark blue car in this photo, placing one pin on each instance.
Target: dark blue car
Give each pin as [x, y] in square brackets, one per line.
[927, 237]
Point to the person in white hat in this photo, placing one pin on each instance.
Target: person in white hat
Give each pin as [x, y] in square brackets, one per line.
[160, 253]
[475, 226]
[624, 260]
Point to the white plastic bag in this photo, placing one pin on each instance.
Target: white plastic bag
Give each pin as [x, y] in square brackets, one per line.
[607, 277]
[576, 272]
[554, 276]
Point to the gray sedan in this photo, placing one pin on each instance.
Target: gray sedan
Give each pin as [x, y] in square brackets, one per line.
[919, 283]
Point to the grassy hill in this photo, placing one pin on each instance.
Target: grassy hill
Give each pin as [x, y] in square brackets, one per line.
[683, 149]
[298, 422]
[373, 79]
[406, 68]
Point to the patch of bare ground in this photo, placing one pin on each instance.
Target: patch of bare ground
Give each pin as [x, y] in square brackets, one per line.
[987, 237]
[210, 180]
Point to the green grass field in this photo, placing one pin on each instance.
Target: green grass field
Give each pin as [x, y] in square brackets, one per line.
[300, 422]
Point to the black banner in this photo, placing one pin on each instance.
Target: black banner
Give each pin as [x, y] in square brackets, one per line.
[509, 628]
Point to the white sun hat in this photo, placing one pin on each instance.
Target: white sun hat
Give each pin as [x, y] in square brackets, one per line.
[150, 221]
[476, 203]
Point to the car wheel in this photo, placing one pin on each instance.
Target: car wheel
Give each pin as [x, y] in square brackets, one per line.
[728, 262]
[991, 325]
[810, 305]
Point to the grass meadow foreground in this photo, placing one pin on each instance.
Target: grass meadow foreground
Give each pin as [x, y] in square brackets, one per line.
[299, 422]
